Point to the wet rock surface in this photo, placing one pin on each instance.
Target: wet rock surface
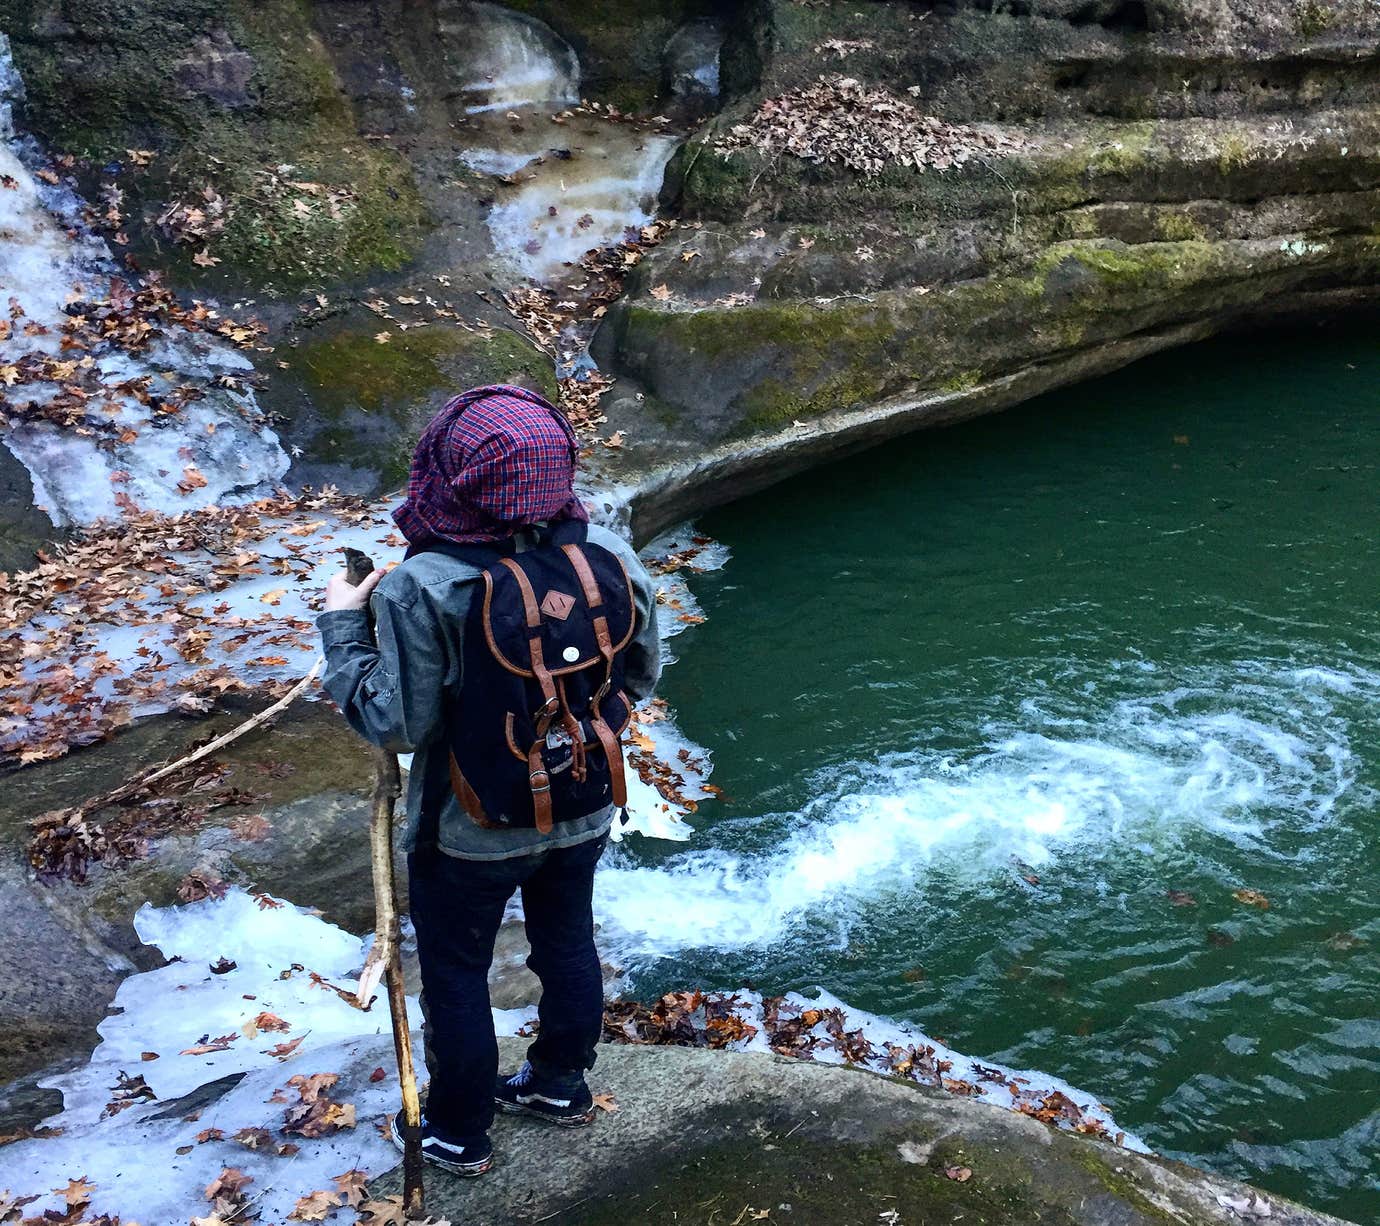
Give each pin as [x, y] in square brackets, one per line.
[710, 1137]
[71, 944]
[1166, 170]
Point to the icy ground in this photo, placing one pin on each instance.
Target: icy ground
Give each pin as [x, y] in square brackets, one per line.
[140, 1127]
[126, 641]
[166, 423]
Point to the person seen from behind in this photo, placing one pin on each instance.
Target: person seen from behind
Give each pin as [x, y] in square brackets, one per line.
[506, 653]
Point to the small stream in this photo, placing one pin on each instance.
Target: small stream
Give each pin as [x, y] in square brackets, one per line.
[982, 701]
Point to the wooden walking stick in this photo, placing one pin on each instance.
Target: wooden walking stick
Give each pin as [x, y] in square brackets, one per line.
[385, 958]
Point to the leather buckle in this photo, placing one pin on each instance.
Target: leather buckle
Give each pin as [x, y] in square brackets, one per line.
[540, 781]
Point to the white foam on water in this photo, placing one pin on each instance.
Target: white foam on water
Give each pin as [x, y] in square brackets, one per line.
[1150, 768]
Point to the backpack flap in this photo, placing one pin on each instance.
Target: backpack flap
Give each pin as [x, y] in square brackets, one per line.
[543, 688]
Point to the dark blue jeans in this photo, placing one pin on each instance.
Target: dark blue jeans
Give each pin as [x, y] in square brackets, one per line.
[457, 906]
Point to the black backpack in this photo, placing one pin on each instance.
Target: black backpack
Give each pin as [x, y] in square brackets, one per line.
[535, 738]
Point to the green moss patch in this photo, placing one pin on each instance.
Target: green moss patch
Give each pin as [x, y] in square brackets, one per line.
[342, 210]
[837, 1182]
[354, 370]
[241, 97]
[1125, 152]
[363, 403]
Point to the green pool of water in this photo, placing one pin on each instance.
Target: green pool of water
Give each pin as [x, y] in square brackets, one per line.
[982, 698]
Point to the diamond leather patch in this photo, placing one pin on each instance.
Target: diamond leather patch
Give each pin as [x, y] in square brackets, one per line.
[557, 605]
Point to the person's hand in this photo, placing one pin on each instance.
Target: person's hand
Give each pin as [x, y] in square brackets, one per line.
[341, 595]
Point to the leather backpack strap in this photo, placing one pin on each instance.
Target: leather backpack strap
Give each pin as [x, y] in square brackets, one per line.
[468, 798]
[594, 598]
[585, 574]
[537, 776]
[532, 612]
[540, 783]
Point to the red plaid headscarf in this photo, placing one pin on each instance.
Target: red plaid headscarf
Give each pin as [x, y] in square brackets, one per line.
[494, 460]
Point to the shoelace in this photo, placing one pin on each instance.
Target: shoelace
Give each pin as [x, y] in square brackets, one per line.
[522, 1077]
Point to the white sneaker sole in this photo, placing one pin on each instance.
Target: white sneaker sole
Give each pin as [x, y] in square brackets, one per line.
[466, 1170]
[561, 1121]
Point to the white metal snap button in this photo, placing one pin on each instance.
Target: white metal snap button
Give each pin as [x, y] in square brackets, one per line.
[570, 654]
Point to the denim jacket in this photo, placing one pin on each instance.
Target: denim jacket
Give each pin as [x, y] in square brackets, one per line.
[396, 692]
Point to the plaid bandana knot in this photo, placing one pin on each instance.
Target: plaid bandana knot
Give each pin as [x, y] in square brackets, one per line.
[494, 460]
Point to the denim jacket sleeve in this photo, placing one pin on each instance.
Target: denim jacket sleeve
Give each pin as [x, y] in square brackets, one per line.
[393, 693]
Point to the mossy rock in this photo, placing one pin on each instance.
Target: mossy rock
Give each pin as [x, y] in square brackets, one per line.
[360, 213]
[735, 371]
[705, 1137]
[361, 403]
[227, 95]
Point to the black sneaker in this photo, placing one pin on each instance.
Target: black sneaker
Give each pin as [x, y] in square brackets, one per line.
[467, 1160]
[568, 1103]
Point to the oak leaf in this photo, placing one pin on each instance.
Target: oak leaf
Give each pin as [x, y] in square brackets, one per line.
[352, 1186]
[231, 1183]
[1252, 898]
[314, 1207]
[77, 1192]
[281, 1051]
[387, 1212]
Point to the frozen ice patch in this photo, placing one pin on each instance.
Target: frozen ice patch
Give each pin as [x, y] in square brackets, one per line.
[243, 979]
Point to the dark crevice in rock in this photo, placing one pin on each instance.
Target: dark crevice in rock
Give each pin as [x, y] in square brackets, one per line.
[1127, 17]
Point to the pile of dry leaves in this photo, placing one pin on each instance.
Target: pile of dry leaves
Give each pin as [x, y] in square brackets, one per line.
[667, 778]
[63, 690]
[195, 221]
[66, 842]
[839, 120]
[717, 1020]
[560, 321]
[73, 390]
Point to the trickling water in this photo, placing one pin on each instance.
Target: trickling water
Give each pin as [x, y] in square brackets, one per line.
[577, 181]
[120, 445]
[509, 60]
[981, 703]
[595, 180]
